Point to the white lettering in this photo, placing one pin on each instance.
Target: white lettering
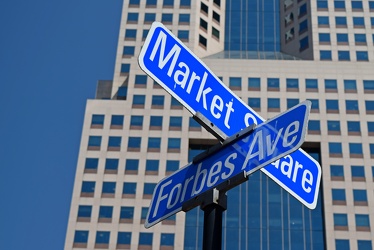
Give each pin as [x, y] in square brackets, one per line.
[228, 112]
[213, 171]
[177, 187]
[203, 92]
[229, 165]
[217, 103]
[198, 173]
[161, 197]
[184, 75]
[289, 133]
[307, 178]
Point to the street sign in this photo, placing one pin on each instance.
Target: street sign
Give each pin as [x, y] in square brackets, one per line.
[268, 142]
[170, 63]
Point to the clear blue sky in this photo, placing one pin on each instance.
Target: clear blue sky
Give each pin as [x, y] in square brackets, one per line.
[52, 53]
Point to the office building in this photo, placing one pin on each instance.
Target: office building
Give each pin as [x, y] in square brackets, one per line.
[273, 55]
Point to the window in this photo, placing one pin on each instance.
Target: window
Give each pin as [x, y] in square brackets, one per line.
[342, 244]
[105, 213]
[109, 189]
[90, 165]
[132, 17]
[356, 5]
[116, 122]
[123, 240]
[303, 26]
[134, 3]
[303, 10]
[369, 106]
[273, 84]
[341, 21]
[235, 83]
[84, 213]
[171, 166]
[183, 35]
[184, 19]
[168, 3]
[202, 41]
[143, 214]
[151, 167]
[167, 18]
[175, 123]
[148, 190]
[94, 142]
[358, 173]
[314, 127]
[97, 121]
[216, 17]
[136, 122]
[129, 190]
[311, 85]
[371, 5]
[126, 215]
[114, 143]
[332, 106]
[144, 34]
[355, 150]
[254, 103]
[368, 86]
[362, 56]
[273, 104]
[155, 123]
[335, 149]
[331, 85]
[342, 38]
[145, 239]
[315, 105]
[130, 34]
[102, 239]
[362, 222]
[337, 172]
[185, 3]
[138, 101]
[350, 86]
[254, 83]
[343, 55]
[140, 81]
[88, 189]
[324, 38]
[360, 197]
[325, 55]
[154, 144]
[292, 102]
[193, 125]
[358, 22]
[364, 245]
[371, 148]
[122, 93]
[158, 101]
[339, 5]
[351, 106]
[304, 43]
[203, 24]
[292, 84]
[80, 239]
[333, 127]
[167, 239]
[128, 51]
[322, 5]
[151, 3]
[204, 8]
[134, 144]
[370, 128]
[323, 21]
[338, 196]
[111, 166]
[132, 166]
[149, 17]
[175, 104]
[353, 128]
[174, 145]
[360, 39]
[340, 222]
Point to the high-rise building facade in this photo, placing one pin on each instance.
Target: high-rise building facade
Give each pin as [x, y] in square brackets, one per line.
[272, 54]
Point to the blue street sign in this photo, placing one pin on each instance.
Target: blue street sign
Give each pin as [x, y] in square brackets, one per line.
[268, 142]
[169, 62]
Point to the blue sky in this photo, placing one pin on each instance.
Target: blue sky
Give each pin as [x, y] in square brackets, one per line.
[52, 53]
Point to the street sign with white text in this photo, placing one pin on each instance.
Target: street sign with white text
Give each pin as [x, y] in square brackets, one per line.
[268, 142]
[170, 63]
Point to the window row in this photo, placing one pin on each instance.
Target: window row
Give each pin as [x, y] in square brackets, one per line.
[355, 150]
[344, 55]
[357, 173]
[342, 38]
[340, 5]
[131, 166]
[359, 197]
[341, 22]
[334, 128]
[123, 241]
[134, 144]
[165, 3]
[362, 222]
[149, 18]
[332, 106]
[109, 188]
[343, 244]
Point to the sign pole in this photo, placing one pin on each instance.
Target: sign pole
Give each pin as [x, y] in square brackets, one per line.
[213, 206]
